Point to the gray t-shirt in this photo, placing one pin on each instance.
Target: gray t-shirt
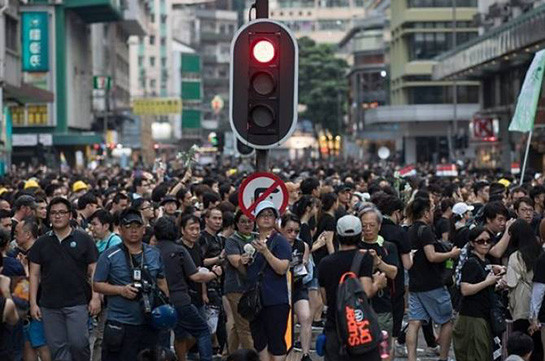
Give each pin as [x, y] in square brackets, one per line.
[235, 282]
[178, 267]
[112, 267]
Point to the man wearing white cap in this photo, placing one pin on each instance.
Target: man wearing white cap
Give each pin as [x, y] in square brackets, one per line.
[273, 257]
[461, 213]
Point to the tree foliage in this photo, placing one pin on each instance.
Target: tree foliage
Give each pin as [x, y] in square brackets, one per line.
[322, 84]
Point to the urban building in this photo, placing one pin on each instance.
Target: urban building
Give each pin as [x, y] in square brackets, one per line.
[208, 28]
[426, 118]
[366, 46]
[499, 59]
[62, 52]
[324, 21]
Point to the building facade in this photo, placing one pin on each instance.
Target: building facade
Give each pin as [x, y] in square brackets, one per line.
[426, 117]
[499, 59]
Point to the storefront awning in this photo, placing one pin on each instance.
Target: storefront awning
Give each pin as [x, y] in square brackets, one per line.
[513, 41]
[73, 138]
[27, 93]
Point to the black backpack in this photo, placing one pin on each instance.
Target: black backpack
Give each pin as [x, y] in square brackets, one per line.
[357, 324]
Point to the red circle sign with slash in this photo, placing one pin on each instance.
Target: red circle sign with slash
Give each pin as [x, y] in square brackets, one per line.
[261, 186]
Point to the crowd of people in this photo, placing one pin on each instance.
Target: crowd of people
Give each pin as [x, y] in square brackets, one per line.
[117, 264]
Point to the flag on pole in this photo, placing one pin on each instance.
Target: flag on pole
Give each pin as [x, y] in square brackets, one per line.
[525, 112]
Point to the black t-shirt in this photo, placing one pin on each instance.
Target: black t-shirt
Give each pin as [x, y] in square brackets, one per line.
[395, 234]
[327, 223]
[460, 237]
[382, 302]
[539, 277]
[64, 271]
[477, 305]
[441, 226]
[195, 288]
[330, 272]
[178, 267]
[423, 275]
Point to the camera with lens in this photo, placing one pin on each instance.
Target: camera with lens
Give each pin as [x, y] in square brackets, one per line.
[145, 290]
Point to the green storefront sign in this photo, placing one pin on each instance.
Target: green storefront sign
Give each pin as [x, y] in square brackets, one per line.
[35, 35]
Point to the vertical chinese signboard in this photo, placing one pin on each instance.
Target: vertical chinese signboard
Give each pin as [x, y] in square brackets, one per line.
[35, 34]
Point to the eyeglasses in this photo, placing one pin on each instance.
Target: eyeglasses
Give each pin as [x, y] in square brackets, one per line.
[145, 208]
[132, 226]
[483, 241]
[526, 210]
[58, 213]
[266, 214]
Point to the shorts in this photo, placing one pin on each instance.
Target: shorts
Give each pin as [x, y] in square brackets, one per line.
[33, 332]
[299, 293]
[313, 284]
[434, 305]
[269, 329]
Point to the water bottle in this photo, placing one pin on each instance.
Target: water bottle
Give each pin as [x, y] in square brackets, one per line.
[384, 347]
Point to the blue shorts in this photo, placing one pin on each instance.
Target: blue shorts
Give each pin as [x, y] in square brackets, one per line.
[33, 332]
[434, 305]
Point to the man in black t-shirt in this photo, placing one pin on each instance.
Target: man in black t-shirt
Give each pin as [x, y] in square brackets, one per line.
[429, 299]
[385, 260]
[330, 272]
[179, 271]
[61, 261]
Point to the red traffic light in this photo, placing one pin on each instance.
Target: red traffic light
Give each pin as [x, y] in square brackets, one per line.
[263, 51]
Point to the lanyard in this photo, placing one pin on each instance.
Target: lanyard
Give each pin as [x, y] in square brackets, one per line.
[136, 272]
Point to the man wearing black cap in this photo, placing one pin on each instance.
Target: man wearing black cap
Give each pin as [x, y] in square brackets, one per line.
[344, 194]
[170, 204]
[125, 273]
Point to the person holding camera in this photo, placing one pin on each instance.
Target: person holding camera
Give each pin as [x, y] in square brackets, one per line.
[131, 275]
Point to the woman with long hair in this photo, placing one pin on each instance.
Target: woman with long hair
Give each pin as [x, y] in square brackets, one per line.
[520, 273]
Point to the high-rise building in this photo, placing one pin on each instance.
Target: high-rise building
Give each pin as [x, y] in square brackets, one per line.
[428, 118]
[499, 59]
[209, 28]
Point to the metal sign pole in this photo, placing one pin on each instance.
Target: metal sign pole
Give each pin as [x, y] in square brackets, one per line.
[262, 155]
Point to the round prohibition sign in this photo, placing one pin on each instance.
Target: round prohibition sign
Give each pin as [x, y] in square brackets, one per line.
[261, 186]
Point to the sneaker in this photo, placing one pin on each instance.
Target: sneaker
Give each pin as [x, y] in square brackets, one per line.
[306, 357]
[400, 350]
[433, 351]
[318, 324]
[297, 346]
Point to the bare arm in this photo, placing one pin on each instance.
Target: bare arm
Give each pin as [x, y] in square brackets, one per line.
[10, 316]
[236, 261]
[35, 270]
[499, 248]
[163, 286]
[389, 270]
[107, 289]
[436, 257]
[407, 261]
[469, 289]
[202, 277]
[280, 266]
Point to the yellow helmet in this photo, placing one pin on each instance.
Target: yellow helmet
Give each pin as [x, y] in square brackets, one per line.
[79, 186]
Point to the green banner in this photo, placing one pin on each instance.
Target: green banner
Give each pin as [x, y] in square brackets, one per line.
[35, 39]
[525, 112]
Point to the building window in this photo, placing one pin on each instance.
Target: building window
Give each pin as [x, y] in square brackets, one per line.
[163, 41]
[163, 18]
[441, 3]
[163, 62]
[443, 94]
[12, 39]
[425, 46]
[152, 18]
[152, 40]
[140, 61]
[152, 83]
[152, 61]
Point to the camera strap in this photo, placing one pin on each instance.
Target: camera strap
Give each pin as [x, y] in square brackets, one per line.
[136, 272]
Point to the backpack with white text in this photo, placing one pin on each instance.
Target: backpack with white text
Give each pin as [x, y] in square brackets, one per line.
[357, 324]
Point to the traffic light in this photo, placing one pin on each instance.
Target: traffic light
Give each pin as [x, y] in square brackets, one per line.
[263, 89]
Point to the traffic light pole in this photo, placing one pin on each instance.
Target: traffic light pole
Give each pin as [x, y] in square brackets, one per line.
[262, 155]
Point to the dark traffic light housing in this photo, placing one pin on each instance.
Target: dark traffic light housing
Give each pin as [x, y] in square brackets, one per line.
[263, 84]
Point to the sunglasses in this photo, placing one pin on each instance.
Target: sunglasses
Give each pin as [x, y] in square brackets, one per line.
[482, 241]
